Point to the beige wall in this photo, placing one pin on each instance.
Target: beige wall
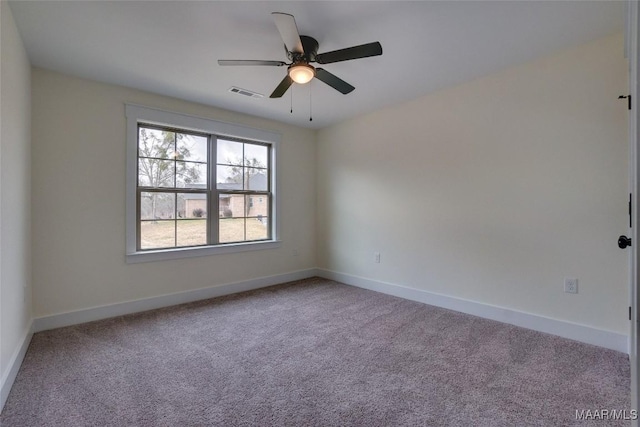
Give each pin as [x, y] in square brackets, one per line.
[79, 201]
[15, 210]
[492, 191]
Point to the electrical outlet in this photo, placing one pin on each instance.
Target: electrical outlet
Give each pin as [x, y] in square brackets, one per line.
[295, 252]
[376, 257]
[571, 285]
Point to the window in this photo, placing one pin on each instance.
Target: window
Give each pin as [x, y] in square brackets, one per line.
[197, 186]
[242, 172]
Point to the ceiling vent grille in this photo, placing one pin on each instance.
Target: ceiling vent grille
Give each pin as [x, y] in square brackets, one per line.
[245, 92]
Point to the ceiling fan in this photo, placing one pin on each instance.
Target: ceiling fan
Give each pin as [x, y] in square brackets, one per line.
[301, 51]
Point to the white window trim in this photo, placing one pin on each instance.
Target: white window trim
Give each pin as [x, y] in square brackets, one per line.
[138, 114]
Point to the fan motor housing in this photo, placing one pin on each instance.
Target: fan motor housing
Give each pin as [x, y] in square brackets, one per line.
[310, 46]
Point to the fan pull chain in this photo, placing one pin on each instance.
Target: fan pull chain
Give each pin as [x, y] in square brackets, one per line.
[310, 119]
[291, 99]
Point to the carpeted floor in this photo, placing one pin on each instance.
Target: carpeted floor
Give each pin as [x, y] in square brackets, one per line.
[310, 353]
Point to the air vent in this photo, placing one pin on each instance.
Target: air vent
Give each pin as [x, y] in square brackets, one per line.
[245, 92]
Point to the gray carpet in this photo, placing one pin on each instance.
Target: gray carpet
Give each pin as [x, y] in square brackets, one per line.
[310, 353]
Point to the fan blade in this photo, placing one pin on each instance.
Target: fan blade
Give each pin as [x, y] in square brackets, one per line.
[282, 87]
[288, 31]
[333, 81]
[250, 62]
[355, 52]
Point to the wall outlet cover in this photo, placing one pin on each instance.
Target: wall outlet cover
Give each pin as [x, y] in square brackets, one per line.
[571, 285]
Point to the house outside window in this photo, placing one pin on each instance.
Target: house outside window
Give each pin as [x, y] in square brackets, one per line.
[197, 186]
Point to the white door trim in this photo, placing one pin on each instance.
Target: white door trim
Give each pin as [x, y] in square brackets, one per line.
[632, 43]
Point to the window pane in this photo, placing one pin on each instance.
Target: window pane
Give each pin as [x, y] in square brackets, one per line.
[155, 173]
[256, 156]
[232, 205]
[192, 205]
[257, 228]
[157, 234]
[157, 205]
[231, 230]
[191, 232]
[191, 148]
[229, 177]
[191, 175]
[156, 143]
[229, 152]
[257, 205]
[257, 179]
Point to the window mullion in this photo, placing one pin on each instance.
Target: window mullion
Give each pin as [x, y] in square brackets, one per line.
[175, 189]
[175, 218]
[245, 187]
[175, 160]
[213, 217]
[271, 221]
[138, 218]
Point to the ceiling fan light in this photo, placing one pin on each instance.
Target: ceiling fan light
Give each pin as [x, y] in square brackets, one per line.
[301, 73]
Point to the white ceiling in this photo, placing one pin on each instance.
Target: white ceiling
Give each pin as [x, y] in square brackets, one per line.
[172, 47]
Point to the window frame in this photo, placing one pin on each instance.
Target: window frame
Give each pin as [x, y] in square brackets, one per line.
[136, 115]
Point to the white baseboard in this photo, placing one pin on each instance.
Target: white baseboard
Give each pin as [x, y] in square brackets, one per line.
[574, 331]
[9, 376]
[129, 307]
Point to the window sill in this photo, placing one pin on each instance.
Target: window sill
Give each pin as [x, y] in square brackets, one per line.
[179, 253]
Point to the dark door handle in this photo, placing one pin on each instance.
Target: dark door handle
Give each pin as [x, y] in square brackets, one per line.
[623, 242]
